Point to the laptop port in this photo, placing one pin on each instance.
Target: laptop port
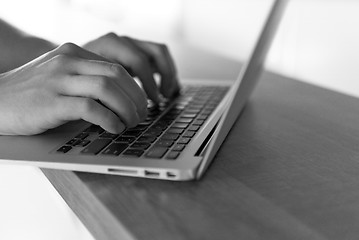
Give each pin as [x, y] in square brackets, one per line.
[151, 174]
[122, 171]
[170, 175]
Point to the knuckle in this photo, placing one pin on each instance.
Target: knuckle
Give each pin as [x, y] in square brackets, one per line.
[140, 60]
[117, 69]
[60, 60]
[111, 35]
[102, 84]
[163, 47]
[68, 48]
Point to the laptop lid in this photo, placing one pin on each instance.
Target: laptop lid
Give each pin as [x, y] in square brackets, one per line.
[245, 83]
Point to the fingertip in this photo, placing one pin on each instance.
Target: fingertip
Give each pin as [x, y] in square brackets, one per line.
[134, 121]
[155, 96]
[116, 127]
[143, 115]
[120, 127]
[173, 90]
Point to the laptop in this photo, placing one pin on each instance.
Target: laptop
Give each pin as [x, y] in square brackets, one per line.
[177, 141]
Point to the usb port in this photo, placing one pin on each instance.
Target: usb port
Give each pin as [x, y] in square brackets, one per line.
[151, 173]
[171, 175]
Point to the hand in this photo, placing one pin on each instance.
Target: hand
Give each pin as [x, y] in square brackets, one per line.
[141, 59]
[69, 83]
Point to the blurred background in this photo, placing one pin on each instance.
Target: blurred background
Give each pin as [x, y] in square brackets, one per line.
[317, 42]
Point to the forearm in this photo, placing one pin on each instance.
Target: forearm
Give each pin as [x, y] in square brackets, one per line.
[18, 48]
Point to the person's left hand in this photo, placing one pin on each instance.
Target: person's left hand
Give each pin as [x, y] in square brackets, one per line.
[141, 59]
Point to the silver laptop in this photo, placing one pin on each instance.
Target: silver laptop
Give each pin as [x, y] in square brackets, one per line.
[177, 141]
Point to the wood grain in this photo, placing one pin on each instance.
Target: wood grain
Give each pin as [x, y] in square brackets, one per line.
[289, 169]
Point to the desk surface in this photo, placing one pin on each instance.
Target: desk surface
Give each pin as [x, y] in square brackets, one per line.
[289, 169]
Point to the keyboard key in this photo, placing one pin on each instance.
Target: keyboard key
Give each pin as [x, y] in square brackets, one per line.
[159, 127]
[138, 128]
[193, 128]
[207, 111]
[154, 114]
[82, 135]
[172, 155]
[72, 141]
[164, 143]
[144, 124]
[184, 140]
[175, 130]
[202, 117]
[177, 109]
[146, 139]
[64, 149]
[115, 149]
[164, 122]
[189, 134]
[211, 106]
[94, 129]
[184, 120]
[189, 115]
[189, 111]
[170, 116]
[125, 139]
[156, 152]
[198, 122]
[81, 143]
[170, 136]
[178, 147]
[131, 133]
[195, 106]
[208, 108]
[133, 152]
[109, 135]
[96, 146]
[150, 119]
[152, 132]
[180, 125]
[140, 145]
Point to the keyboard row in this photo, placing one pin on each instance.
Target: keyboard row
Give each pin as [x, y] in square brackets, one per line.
[165, 133]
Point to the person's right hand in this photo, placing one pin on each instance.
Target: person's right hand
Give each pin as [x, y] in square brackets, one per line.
[69, 83]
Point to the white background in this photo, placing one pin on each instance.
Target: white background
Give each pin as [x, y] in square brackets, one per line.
[317, 41]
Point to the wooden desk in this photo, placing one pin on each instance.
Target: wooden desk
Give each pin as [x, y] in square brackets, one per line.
[289, 169]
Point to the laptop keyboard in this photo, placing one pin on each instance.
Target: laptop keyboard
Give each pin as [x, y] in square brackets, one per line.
[165, 133]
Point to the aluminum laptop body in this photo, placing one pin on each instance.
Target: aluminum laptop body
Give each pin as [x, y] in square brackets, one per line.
[43, 150]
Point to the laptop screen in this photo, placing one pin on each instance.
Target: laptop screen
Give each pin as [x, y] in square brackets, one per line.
[247, 79]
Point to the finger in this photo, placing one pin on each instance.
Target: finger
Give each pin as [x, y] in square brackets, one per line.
[74, 108]
[76, 51]
[123, 51]
[141, 65]
[69, 49]
[105, 90]
[120, 79]
[164, 65]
